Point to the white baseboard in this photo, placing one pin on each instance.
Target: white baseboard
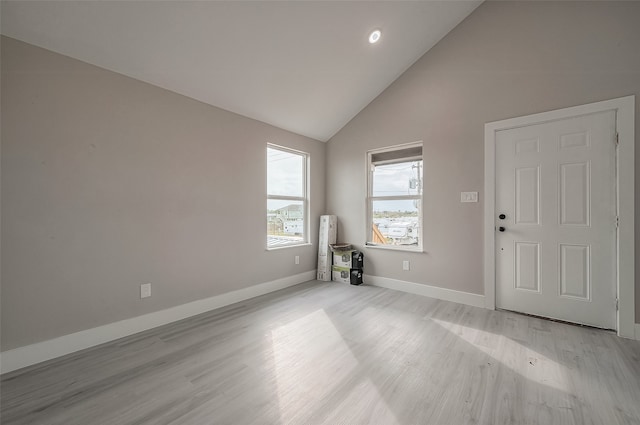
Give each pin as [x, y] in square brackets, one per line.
[426, 290]
[28, 355]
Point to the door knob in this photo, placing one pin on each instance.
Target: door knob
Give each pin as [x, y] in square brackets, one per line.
[502, 229]
[502, 216]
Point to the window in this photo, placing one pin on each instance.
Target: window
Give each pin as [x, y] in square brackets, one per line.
[287, 204]
[394, 199]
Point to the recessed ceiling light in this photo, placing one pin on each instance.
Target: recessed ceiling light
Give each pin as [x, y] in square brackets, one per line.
[374, 37]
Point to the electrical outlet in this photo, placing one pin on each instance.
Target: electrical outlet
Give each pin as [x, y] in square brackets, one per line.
[297, 259]
[405, 265]
[145, 290]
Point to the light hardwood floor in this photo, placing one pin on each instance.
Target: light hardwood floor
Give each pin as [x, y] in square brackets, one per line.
[328, 353]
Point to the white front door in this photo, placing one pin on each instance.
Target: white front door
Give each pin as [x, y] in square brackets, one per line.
[556, 245]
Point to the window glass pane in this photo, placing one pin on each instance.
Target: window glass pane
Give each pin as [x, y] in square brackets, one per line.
[402, 178]
[396, 222]
[285, 222]
[285, 173]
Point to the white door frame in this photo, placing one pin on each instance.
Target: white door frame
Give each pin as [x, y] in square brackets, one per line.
[625, 164]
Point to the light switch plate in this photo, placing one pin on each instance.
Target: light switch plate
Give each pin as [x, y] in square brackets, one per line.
[468, 196]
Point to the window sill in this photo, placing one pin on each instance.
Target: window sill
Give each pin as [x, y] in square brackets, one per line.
[297, 245]
[417, 249]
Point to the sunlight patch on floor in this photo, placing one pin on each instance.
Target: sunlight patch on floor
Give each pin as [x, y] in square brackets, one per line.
[307, 376]
[522, 360]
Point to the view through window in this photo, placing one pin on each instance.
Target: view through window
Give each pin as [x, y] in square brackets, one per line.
[395, 197]
[286, 197]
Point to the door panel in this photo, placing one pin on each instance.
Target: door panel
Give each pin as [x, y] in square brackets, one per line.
[575, 271]
[527, 195]
[528, 266]
[555, 182]
[527, 146]
[574, 140]
[575, 202]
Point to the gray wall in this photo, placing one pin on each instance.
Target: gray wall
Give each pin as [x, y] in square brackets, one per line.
[506, 59]
[108, 182]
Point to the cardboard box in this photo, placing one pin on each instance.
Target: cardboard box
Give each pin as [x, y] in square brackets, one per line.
[327, 235]
[351, 259]
[346, 275]
[341, 274]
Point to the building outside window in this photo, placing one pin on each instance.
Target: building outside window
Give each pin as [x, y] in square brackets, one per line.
[287, 197]
[394, 199]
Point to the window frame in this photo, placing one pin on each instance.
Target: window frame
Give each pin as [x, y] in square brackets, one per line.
[370, 198]
[304, 198]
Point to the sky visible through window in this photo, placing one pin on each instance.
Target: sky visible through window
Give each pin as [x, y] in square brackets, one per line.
[284, 176]
[399, 179]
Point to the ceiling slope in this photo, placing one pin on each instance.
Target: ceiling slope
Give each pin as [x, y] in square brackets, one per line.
[303, 66]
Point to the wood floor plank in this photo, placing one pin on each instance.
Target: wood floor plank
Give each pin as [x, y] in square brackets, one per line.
[328, 353]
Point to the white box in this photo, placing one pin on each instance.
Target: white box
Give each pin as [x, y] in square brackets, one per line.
[327, 235]
[352, 259]
[342, 258]
[341, 274]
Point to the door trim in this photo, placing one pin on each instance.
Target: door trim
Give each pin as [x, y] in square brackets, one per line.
[625, 165]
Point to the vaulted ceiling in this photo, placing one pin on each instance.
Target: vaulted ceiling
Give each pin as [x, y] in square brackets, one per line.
[304, 66]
